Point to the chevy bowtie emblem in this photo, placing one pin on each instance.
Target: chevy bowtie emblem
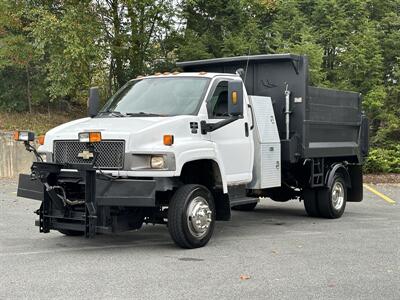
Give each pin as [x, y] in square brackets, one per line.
[85, 155]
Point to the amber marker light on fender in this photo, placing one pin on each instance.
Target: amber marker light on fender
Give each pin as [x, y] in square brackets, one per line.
[41, 139]
[168, 139]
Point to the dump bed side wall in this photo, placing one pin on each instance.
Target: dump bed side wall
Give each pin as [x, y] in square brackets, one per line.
[332, 123]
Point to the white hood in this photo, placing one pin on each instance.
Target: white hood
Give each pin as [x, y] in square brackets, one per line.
[114, 124]
[138, 132]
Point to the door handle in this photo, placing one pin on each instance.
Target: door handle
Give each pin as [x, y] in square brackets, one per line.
[252, 117]
[246, 129]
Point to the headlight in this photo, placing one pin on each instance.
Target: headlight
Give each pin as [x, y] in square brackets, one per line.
[157, 162]
[146, 162]
[46, 156]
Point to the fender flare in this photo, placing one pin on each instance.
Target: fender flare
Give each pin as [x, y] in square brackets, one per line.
[214, 160]
[337, 167]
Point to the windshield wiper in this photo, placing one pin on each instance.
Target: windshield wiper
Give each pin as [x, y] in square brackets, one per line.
[113, 113]
[144, 114]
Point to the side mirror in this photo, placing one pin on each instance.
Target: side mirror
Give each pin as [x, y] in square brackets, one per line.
[94, 102]
[235, 98]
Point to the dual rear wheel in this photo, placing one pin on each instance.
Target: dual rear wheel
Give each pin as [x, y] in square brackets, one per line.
[328, 202]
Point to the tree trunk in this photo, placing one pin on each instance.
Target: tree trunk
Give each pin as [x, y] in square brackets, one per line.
[110, 78]
[117, 46]
[28, 88]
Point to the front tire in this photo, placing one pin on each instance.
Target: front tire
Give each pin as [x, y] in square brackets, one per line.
[191, 216]
[332, 200]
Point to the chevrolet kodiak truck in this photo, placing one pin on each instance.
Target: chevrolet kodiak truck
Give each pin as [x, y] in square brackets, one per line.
[184, 148]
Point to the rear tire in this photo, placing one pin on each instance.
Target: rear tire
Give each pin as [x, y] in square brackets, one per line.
[246, 207]
[191, 216]
[71, 232]
[332, 200]
[311, 203]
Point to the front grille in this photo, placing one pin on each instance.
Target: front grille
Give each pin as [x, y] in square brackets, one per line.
[111, 153]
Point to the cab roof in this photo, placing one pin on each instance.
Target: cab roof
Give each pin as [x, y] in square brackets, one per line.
[187, 74]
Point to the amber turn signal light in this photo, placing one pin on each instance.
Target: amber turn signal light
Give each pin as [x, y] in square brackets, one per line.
[168, 139]
[16, 135]
[90, 137]
[95, 137]
[234, 97]
[41, 139]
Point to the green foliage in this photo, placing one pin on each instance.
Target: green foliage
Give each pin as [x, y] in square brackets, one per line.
[382, 160]
[223, 28]
[12, 98]
[67, 41]
[18, 60]
[52, 51]
[140, 36]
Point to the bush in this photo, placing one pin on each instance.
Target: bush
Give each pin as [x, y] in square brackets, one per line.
[382, 160]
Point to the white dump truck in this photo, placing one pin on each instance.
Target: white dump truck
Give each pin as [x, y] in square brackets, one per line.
[184, 148]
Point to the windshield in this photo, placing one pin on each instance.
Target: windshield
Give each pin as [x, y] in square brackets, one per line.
[158, 96]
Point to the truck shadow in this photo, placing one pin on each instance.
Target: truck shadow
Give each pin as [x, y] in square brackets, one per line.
[267, 220]
[261, 221]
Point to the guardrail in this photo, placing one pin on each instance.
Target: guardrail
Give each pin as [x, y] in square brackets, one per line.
[14, 159]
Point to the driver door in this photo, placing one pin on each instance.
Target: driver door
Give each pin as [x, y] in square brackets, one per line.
[233, 142]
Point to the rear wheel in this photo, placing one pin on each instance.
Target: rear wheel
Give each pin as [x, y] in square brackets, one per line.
[246, 207]
[332, 200]
[191, 216]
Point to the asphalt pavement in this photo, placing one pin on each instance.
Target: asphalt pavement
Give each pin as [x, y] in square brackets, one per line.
[275, 252]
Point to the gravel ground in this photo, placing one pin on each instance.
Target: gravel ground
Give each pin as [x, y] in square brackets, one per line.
[382, 178]
[275, 252]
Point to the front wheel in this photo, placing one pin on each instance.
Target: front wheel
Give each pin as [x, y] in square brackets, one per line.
[191, 216]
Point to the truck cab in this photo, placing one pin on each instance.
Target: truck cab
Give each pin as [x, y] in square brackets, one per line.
[184, 148]
[137, 120]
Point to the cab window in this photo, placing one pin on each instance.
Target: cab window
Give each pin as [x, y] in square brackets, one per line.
[219, 101]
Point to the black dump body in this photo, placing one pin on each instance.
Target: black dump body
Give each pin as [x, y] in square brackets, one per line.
[323, 122]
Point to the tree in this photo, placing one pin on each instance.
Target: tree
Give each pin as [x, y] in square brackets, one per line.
[223, 28]
[292, 33]
[17, 55]
[135, 35]
[67, 38]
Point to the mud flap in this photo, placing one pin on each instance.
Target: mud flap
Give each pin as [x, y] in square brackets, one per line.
[355, 193]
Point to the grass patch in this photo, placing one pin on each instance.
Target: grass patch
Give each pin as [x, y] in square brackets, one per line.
[37, 122]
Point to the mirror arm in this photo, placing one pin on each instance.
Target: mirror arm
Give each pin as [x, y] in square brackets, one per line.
[31, 148]
[210, 127]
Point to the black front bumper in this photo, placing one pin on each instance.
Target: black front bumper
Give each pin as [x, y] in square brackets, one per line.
[119, 192]
[97, 196]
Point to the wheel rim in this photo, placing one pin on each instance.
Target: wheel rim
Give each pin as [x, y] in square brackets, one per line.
[199, 217]
[337, 195]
